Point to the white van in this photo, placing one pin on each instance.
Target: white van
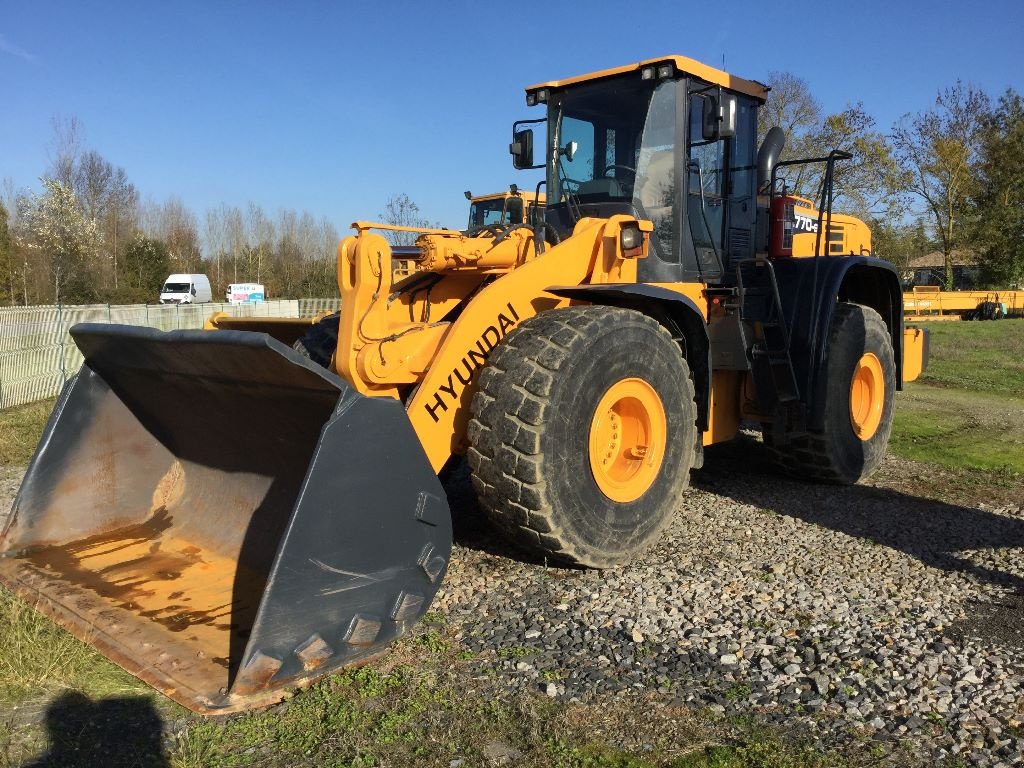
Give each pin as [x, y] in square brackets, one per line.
[186, 289]
[242, 292]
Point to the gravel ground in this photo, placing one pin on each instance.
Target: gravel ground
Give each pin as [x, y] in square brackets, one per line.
[864, 613]
[860, 614]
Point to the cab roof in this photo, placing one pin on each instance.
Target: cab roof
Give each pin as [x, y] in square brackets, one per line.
[682, 64]
[528, 196]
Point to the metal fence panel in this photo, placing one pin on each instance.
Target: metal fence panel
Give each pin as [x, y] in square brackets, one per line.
[37, 355]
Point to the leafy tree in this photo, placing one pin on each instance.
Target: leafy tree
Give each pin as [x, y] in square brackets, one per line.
[998, 201]
[872, 183]
[899, 243]
[145, 263]
[867, 185]
[939, 150]
[54, 225]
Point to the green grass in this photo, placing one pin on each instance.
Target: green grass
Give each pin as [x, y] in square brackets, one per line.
[960, 429]
[985, 357]
[38, 657]
[20, 430]
[967, 409]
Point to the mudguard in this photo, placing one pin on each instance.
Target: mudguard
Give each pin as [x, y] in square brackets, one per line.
[674, 310]
[808, 290]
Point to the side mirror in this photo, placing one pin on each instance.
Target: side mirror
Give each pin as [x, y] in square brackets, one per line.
[727, 116]
[570, 150]
[193, 291]
[719, 117]
[521, 149]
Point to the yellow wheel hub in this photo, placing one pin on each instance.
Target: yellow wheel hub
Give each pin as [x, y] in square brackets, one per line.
[867, 396]
[627, 439]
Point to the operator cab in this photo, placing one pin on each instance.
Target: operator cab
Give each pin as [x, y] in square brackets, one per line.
[669, 140]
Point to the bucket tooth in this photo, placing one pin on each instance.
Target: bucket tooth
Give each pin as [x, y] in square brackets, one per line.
[256, 675]
[314, 652]
[431, 510]
[433, 564]
[363, 630]
[407, 606]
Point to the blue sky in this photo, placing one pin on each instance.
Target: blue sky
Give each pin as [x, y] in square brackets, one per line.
[332, 107]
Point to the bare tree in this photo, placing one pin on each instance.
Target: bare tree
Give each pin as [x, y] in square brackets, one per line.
[939, 149]
[401, 211]
[792, 107]
[174, 224]
[107, 197]
[65, 147]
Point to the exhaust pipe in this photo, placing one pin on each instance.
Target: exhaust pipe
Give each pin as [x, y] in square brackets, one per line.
[768, 155]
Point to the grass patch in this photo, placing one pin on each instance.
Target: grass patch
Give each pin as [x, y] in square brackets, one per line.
[421, 711]
[977, 357]
[960, 429]
[967, 409]
[20, 430]
[40, 657]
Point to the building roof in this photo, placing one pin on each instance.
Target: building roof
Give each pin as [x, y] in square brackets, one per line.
[961, 258]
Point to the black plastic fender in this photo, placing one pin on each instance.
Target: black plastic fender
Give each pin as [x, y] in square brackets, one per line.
[809, 290]
[678, 313]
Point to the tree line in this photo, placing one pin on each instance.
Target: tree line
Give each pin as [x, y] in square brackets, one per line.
[87, 237]
[948, 178]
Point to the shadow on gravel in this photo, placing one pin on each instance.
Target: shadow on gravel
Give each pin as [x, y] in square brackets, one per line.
[931, 531]
[111, 732]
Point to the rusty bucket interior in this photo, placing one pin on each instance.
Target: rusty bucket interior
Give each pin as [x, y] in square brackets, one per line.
[204, 508]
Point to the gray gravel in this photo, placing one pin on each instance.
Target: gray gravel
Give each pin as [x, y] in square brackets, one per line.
[862, 612]
[858, 614]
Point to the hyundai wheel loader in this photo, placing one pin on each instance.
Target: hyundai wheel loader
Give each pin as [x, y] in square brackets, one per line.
[580, 362]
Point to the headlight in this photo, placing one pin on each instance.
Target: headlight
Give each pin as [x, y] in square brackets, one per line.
[631, 238]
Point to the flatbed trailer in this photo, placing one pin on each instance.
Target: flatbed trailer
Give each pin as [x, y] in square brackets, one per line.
[929, 302]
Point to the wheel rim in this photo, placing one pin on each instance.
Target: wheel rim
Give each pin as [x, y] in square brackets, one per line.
[627, 439]
[867, 396]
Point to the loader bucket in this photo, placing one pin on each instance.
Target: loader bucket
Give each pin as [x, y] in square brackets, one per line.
[224, 519]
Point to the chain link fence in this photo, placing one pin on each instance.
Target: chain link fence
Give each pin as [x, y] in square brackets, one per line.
[37, 355]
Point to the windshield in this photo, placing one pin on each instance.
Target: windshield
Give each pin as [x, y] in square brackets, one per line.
[625, 141]
[484, 212]
[605, 120]
[502, 210]
[177, 287]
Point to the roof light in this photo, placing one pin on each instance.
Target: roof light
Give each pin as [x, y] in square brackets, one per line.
[665, 70]
[647, 73]
[531, 99]
[542, 96]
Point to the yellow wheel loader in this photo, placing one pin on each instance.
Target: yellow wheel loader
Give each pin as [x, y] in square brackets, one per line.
[503, 209]
[488, 215]
[229, 517]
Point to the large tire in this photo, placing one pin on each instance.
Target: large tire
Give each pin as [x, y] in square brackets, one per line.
[536, 432]
[858, 412]
[320, 341]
